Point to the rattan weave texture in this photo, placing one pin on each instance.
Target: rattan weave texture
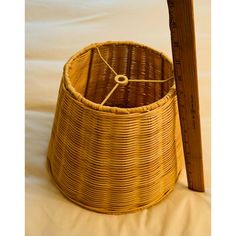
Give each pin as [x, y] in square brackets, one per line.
[125, 155]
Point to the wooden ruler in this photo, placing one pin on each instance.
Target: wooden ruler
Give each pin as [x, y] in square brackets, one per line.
[181, 20]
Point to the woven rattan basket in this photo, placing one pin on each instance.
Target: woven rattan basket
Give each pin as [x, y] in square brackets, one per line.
[116, 145]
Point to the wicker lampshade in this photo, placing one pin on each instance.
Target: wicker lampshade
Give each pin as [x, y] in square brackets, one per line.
[126, 154]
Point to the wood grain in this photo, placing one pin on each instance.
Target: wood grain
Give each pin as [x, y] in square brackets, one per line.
[181, 20]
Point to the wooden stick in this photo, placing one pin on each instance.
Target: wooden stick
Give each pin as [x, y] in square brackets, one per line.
[181, 20]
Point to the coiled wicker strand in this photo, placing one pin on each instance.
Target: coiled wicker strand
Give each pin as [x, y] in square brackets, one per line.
[127, 154]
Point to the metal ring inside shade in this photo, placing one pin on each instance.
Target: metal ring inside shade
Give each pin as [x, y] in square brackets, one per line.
[121, 79]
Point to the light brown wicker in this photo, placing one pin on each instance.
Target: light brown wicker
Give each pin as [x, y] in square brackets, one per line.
[127, 154]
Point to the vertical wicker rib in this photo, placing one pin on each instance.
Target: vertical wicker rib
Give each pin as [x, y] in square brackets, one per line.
[123, 156]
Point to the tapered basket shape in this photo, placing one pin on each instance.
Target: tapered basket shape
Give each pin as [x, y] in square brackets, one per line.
[116, 146]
